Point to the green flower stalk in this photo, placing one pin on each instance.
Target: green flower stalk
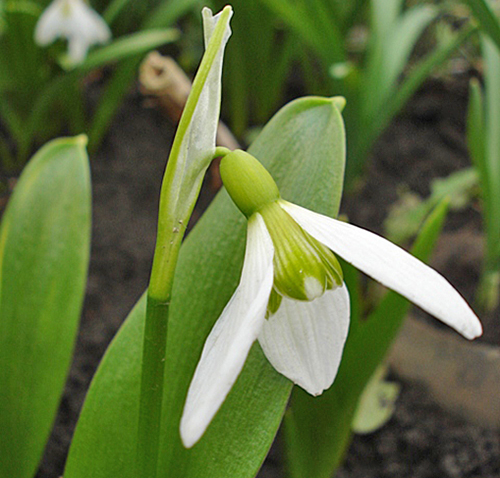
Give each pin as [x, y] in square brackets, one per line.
[191, 154]
[292, 298]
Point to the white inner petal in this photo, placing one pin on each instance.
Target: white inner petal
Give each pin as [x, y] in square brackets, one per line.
[392, 266]
[304, 340]
[228, 344]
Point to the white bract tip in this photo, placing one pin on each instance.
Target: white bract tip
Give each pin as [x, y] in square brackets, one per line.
[198, 141]
[77, 22]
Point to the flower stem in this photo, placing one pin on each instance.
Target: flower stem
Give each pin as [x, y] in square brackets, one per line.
[153, 366]
[180, 189]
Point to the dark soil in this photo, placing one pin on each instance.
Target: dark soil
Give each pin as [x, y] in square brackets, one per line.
[427, 140]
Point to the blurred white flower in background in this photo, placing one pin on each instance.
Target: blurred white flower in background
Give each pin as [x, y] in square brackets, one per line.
[76, 21]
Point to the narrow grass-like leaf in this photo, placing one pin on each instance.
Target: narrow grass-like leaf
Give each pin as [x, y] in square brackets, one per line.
[303, 147]
[384, 14]
[402, 40]
[492, 127]
[389, 56]
[44, 251]
[319, 30]
[475, 129]
[113, 10]
[486, 157]
[134, 44]
[406, 217]
[318, 430]
[488, 21]
[363, 141]
[254, 97]
[168, 12]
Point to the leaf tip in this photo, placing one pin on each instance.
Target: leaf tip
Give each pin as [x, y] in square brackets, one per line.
[339, 102]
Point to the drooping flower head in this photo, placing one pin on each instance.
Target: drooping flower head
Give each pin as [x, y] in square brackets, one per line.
[77, 22]
[291, 295]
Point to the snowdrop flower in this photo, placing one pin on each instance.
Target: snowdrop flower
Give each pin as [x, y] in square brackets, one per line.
[291, 296]
[74, 20]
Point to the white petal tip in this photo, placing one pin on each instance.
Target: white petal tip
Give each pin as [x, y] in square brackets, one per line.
[474, 330]
[190, 435]
[315, 392]
[315, 387]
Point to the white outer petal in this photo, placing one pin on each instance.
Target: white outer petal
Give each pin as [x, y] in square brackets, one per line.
[304, 341]
[48, 26]
[228, 344]
[391, 266]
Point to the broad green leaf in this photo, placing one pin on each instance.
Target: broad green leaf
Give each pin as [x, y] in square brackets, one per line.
[44, 252]
[134, 44]
[318, 430]
[303, 147]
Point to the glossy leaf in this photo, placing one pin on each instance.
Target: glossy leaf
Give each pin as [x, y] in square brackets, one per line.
[44, 252]
[303, 147]
[318, 430]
